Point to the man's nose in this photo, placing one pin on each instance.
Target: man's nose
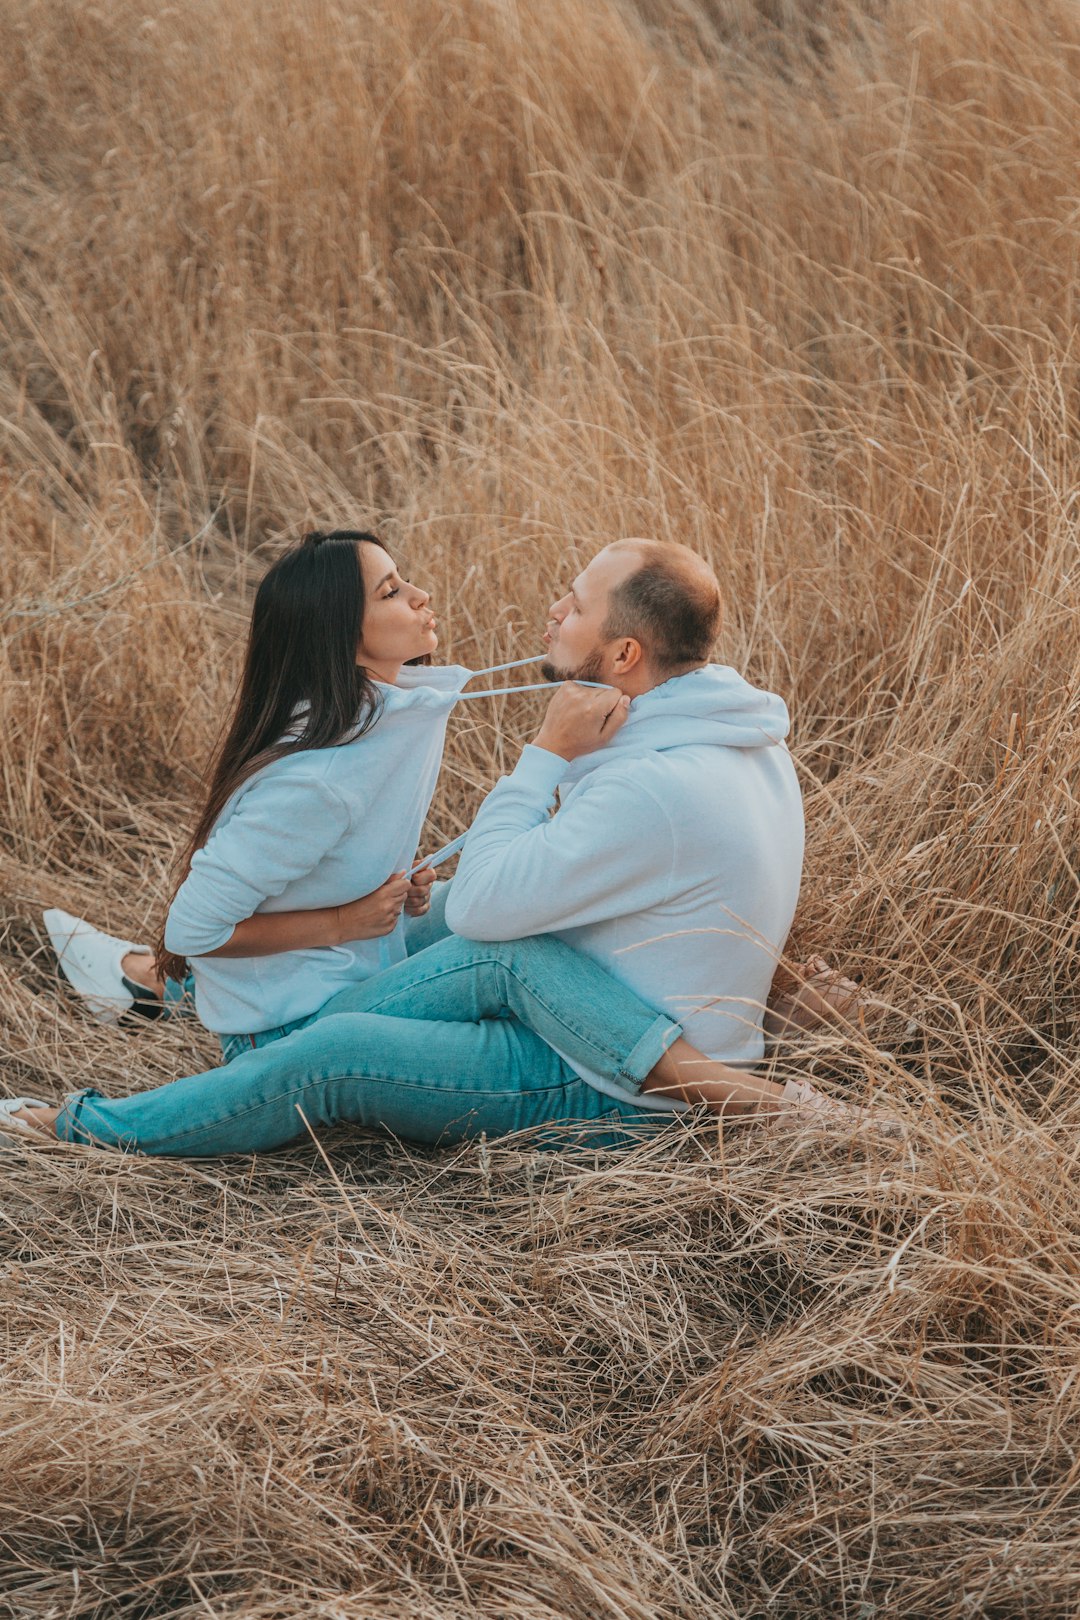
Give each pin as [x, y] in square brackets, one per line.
[557, 610]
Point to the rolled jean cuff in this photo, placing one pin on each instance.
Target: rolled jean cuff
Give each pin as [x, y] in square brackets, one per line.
[74, 1121]
[642, 1060]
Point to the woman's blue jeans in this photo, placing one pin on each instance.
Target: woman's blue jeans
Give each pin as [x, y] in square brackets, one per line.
[457, 1040]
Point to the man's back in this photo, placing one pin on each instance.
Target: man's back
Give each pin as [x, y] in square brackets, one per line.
[701, 940]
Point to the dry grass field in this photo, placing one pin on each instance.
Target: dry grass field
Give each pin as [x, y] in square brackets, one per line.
[794, 281]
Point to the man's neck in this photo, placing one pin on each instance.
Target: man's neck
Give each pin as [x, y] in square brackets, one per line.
[636, 685]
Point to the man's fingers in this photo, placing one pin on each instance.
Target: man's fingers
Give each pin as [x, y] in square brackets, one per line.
[615, 715]
[581, 718]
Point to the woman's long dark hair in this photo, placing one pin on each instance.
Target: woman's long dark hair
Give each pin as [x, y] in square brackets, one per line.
[301, 686]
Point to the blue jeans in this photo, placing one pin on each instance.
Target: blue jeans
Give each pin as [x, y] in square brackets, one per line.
[446, 1045]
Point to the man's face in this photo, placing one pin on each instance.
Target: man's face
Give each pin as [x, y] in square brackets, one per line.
[576, 647]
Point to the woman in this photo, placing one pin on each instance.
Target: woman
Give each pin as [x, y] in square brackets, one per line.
[320, 786]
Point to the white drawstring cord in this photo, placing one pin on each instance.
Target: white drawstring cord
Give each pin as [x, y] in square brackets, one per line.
[541, 686]
[439, 856]
[519, 663]
[455, 844]
[497, 669]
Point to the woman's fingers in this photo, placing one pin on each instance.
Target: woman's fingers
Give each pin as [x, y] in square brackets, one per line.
[418, 899]
[390, 898]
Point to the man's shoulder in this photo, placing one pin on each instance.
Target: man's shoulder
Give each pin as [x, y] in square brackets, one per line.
[656, 783]
[657, 769]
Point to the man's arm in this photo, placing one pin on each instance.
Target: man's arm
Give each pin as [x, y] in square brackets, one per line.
[607, 852]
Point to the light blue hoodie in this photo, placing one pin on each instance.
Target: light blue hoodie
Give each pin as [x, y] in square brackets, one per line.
[318, 828]
[675, 858]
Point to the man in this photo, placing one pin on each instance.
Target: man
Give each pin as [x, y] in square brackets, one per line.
[676, 856]
[674, 863]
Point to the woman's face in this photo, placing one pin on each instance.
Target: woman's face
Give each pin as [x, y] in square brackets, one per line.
[398, 623]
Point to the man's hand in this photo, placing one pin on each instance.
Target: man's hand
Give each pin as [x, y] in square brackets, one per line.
[418, 900]
[374, 914]
[582, 718]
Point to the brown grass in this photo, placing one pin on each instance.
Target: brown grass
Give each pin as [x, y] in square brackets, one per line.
[793, 281]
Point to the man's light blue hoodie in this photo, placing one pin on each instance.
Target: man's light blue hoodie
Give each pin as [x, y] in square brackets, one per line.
[674, 860]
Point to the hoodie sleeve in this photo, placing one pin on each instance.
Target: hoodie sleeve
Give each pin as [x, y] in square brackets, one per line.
[281, 829]
[608, 851]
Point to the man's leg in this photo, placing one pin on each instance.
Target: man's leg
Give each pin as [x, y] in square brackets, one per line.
[420, 932]
[579, 1009]
[423, 1081]
[566, 998]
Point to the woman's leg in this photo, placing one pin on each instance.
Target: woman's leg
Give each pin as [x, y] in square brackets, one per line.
[177, 998]
[424, 1081]
[570, 1001]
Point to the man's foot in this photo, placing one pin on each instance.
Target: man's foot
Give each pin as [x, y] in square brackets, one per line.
[13, 1120]
[112, 976]
[804, 1104]
[823, 996]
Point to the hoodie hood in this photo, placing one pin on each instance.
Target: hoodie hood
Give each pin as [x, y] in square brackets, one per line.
[713, 705]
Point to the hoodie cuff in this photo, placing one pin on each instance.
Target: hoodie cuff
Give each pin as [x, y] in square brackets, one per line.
[538, 771]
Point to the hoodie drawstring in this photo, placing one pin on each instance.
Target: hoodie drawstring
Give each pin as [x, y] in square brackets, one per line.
[455, 844]
[519, 663]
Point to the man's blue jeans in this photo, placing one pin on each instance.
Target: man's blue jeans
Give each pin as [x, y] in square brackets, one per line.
[446, 1045]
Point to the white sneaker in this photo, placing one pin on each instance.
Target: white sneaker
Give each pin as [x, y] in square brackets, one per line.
[9, 1125]
[809, 1106]
[90, 962]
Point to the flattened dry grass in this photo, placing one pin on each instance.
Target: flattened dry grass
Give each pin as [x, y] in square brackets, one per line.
[794, 283]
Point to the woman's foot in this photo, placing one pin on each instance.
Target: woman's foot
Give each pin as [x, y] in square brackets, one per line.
[112, 976]
[21, 1117]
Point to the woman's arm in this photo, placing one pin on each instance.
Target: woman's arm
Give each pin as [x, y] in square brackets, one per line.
[268, 933]
[280, 831]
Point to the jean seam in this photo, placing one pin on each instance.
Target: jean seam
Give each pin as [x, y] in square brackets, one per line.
[644, 1056]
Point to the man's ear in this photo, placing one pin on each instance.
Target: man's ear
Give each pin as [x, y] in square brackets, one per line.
[628, 655]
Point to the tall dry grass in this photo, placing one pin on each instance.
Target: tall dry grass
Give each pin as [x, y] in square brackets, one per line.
[793, 281]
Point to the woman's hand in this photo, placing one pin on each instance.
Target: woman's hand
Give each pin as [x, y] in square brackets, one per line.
[418, 901]
[375, 914]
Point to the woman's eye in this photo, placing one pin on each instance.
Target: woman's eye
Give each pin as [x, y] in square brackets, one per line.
[391, 593]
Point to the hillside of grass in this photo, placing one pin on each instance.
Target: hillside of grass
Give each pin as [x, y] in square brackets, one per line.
[794, 282]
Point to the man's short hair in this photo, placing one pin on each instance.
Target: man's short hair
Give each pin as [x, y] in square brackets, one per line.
[671, 604]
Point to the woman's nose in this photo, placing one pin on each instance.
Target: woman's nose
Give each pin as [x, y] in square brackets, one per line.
[422, 598]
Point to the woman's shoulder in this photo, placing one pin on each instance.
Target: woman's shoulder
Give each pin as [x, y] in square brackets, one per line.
[310, 772]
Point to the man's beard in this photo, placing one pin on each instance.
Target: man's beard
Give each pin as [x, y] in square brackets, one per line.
[591, 668]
